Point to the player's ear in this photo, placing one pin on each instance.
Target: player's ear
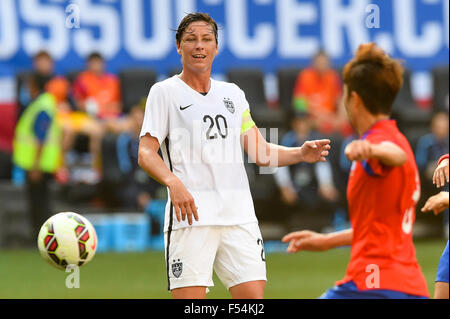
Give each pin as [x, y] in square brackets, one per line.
[178, 48]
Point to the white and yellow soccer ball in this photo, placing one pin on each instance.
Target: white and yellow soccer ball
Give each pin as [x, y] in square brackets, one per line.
[67, 239]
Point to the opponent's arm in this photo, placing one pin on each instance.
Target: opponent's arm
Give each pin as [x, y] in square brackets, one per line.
[312, 241]
[441, 174]
[386, 152]
[273, 155]
[436, 203]
[152, 163]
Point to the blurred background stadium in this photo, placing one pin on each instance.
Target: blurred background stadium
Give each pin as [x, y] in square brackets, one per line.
[270, 49]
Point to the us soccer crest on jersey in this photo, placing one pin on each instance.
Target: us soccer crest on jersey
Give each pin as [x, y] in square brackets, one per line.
[229, 105]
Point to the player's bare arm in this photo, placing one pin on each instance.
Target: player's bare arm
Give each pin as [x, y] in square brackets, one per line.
[386, 152]
[441, 174]
[437, 203]
[273, 155]
[312, 241]
[152, 163]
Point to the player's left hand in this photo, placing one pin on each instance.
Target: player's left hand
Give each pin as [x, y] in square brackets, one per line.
[441, 174]
[315, 151]
[358, 150]
[436, 203]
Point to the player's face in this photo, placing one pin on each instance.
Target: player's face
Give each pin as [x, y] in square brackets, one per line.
[198, 47]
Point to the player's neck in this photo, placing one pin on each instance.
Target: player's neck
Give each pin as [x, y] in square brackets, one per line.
[368, 121]
[199, 82]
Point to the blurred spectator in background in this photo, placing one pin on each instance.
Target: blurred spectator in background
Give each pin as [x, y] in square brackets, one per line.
[318, 90]
[306, 187]
[57, 85]
[97, 96]
[130, 123]
[431, 146]
[134, 189]
[37, 148]
[96, 91]
[72, 122]
[429, 149]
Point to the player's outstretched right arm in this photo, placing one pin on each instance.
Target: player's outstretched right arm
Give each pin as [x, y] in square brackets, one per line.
[386, 152]
[152, 163]
[312, 241]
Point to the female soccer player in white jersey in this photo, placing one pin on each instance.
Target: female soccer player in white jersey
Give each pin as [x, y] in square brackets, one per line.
[201, 126]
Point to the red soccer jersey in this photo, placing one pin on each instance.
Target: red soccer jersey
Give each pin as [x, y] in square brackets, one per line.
[382, 204]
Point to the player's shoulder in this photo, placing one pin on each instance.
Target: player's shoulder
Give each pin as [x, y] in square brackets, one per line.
[226, 85]
[164, 87]
[167, 83]
[377, 136]
[384, 129]
[231, 89]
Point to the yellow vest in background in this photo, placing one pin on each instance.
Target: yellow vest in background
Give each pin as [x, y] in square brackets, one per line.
[25, 143]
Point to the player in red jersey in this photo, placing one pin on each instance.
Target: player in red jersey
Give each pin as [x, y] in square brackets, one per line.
[382, 192]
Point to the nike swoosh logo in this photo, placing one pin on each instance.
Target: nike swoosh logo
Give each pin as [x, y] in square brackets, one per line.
[183, 108]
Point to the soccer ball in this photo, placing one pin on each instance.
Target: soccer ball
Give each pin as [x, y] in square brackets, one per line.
[67, 239]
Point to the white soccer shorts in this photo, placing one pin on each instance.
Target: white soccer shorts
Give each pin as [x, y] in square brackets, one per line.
[236, 253]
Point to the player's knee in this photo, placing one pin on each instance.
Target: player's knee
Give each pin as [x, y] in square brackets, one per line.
[249, 290]
[189, 293]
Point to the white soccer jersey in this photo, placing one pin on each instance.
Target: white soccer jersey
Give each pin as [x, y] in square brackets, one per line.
[199, 137]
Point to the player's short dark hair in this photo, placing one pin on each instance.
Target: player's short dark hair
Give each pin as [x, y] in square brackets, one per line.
[94, 56]
[193, 17]
[375, 77]
[42, 54]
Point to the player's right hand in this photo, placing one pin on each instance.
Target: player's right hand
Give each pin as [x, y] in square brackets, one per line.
[441, 174]
[305, 240]
[358, 150]
[182, 202]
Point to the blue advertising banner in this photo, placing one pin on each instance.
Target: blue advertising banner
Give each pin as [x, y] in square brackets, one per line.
[268, 34]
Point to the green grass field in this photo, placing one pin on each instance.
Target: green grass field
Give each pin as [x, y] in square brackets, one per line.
[142, 275]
